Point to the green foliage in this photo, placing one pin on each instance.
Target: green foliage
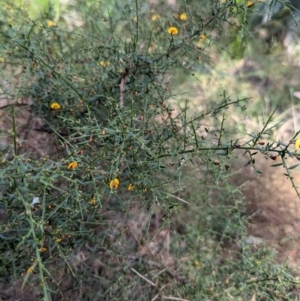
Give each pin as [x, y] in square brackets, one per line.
[78, 223]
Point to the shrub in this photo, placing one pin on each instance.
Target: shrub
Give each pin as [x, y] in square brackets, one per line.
[81, 220]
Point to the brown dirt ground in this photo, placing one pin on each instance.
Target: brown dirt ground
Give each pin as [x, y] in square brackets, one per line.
[273, 207]
[31, 138]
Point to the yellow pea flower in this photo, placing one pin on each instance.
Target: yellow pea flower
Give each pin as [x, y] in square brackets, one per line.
[202, 37]
[50, 23]
[130, 187]
[196, 264]
[172, 30]
[55, 106]
[72, 165]
[155, 17]
[30, 270]
[93, 201]
[297, 144]
[114, 184]
[183, 17]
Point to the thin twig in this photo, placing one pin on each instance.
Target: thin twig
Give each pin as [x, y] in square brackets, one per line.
[175, 298]
[179, 199]
[147, 280]
[122, 84]
[162, 271]
[155, 297]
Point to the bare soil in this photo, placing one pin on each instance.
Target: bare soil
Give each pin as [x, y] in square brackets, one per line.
[273, 207]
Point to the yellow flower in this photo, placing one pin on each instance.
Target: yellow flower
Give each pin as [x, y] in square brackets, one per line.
[155, 17]
[114, 184]
[30, 270]
[55, 106]
[72, 165]
[130, 187]
[50, 23]
[93, 201]
[58, 240]
[297, 143]
[202, 37]
[104, 64]
[183, 17]
[42, 249]
[196, 264]
[250, 3]
[172, 30]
